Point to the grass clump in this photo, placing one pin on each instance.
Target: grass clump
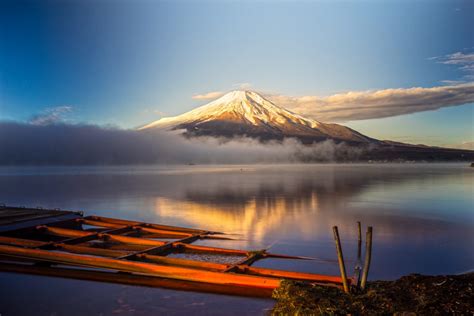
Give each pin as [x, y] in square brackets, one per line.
[409, 295]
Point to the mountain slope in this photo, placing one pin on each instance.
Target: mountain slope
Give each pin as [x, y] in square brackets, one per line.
[246, 113]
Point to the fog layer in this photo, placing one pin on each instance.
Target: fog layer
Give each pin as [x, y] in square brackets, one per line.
[63, 144]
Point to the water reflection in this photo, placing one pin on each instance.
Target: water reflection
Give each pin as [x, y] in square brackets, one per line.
[252, 217]
[422, 214]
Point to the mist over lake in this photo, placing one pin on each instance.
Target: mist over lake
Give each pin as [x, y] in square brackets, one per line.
[422, 216]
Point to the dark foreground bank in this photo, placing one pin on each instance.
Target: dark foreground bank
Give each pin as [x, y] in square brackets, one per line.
[419, 294]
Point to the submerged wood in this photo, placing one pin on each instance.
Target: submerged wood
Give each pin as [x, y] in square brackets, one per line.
[65, 232]
[131, 247]
[141, 267]
[137, 279]
[242, 266]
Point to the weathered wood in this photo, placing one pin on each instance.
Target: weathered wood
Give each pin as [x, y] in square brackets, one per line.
[179, 262]
[247, 261]
[291, 275]
[163, 233]
[359, 240]
[358, 268]
[137, 279]
[141, 267]
[163, 249]
[157, 226]
[368, 256]
[90, 250]
[70, 248]
[79, 236]
[242, 266]
[153, 231]
[129, 247]
[21, 242]
[205, 249]
[13, 218]
[340, 258]
[64, 232]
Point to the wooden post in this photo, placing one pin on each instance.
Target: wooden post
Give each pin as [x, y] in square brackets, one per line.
[359, 241]
[358, 266]
[368, 256]
[340, 258]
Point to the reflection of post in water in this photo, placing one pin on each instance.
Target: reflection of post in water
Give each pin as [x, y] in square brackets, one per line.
[368, 256]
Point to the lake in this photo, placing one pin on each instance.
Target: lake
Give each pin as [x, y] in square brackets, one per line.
[422, 214]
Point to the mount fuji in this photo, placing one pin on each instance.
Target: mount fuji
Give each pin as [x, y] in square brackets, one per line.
[247, 113]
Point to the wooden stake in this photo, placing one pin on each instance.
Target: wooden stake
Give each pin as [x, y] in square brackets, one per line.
[368, 256]
[359, 241]
[358, 266]
[340, 258]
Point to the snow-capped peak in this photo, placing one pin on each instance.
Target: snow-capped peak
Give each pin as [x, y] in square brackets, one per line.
[238, 105]
[247, 113]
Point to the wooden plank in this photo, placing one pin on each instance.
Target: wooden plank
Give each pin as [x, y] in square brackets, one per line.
[143, 241]
[240, 267]
[205, 249]
[163, 233]
[28, 224]
[79, 236]
[245, 262]
[162, 249]
[157, 226]
[153, 231]
[134, 279]
[179, 262]
[290, 275]
[173, 272]
[21, 242]
[70, 248]
[90, 250]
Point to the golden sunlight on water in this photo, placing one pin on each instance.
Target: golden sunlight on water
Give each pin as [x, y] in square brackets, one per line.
[255, 216]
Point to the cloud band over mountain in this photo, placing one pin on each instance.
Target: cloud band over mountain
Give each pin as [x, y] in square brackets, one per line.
[362, 105]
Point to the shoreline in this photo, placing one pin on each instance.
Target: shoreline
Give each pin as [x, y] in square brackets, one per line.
[411, 294]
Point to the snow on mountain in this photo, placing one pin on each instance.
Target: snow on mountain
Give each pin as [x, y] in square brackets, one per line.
[247, 113]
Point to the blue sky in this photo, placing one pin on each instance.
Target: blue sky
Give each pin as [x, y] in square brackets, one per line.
[129, 62]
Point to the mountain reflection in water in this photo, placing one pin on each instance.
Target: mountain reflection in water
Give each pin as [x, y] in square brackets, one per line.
[422, 214]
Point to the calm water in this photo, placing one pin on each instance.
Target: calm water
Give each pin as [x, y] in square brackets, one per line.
[423, 219]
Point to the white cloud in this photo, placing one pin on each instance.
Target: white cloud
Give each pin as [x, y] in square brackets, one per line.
[457, 58]
[208, 96]
[361, 105]
[51, 115]
[463, 61]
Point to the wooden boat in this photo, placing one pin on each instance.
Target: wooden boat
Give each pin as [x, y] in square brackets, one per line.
[71, 245]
